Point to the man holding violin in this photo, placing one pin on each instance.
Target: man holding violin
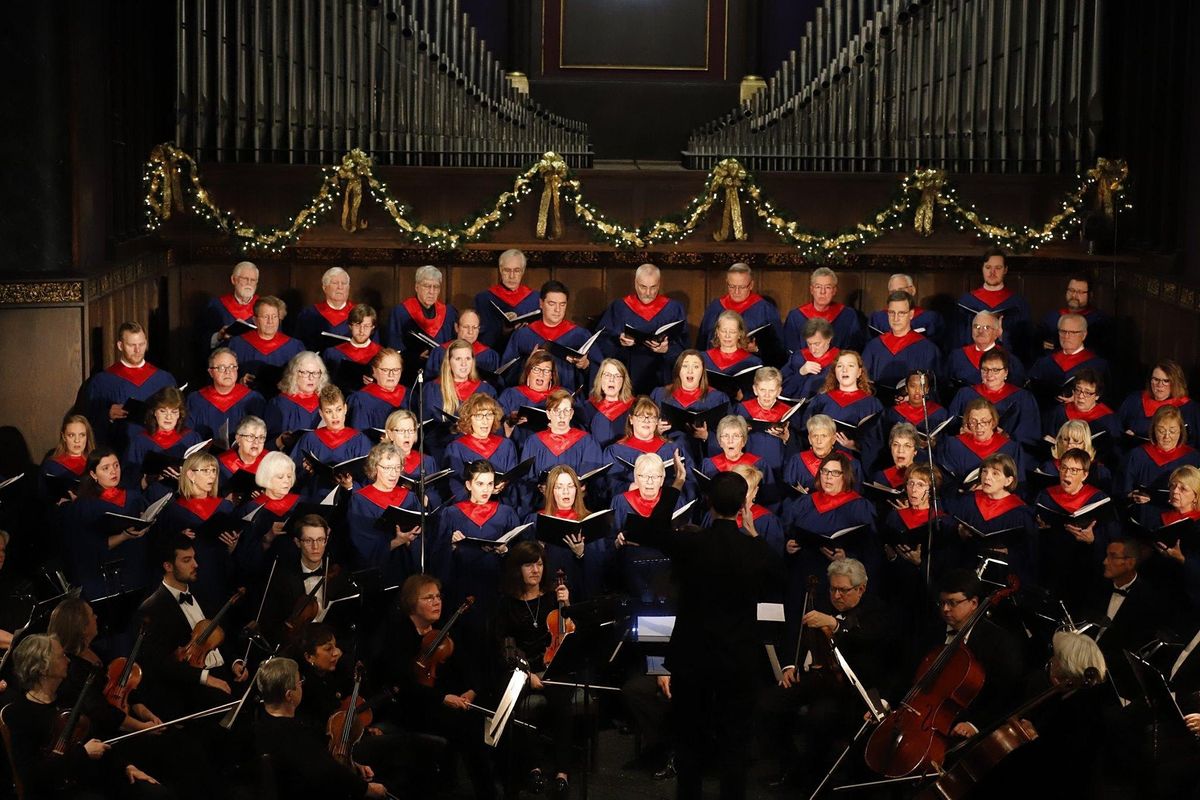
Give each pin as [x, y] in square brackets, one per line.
[173, 617]
[302, 589]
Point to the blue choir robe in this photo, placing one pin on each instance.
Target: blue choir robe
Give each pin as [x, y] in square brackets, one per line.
[627, 449]
[251, 559]
[889, 358]
[605, 420]
[853, 408]
[821, 515]
[584, 576]
[511, 400]
[57, 473]
[208, 410]
[141, 442]
[1017, 408]
[217, 574]
[1102, 422]
[575, 449]
[1179, 582]
[959, 455]
[501, 452]
[1051, 371]
[756, 312]
[85, 539]
[229, 463]
[1099, 475]
[1011, 307]
[1150, 467]
[767, 489]
[441, 431]
[411, 315]
[329, 447]
[800, 469]
[729, 363]
[492, 323]
[770, 448]
[695, 402]
[647, 369]
[847, 329]
[903, 582]
[474, 572]
[436, 493]
[925, 321]
[221, 312]
[291, 412]
[486, 359]
[320, 318]
[1098, 324]
[253, 353]
[370, 545]
[1138, 409]
[1068, 566]
[892, 477]
[962, 367]
[799, 387]
[348, 351]
[113, 386]
[915, 416]
[370, 406]
[643, 570]
[988, 516]
[525, 340]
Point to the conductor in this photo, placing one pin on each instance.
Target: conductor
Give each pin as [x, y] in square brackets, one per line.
[715, 658]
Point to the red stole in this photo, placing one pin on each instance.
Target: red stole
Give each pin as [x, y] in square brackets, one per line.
[478, 513]
[895, 343]
[646, 311]
[1163, 457]
[565, 513]
[650, 446]
[309, 402]
[686, 397]
[1067, 363]
[511, 297]
[1150, 405]
[485, 447]
[279, 507]
[75, 464]
[429, 326]
[164, 439]
[1072, 502]
[612, 409]
[724, 361]
[135, 375]
[334, 439]
[466, 389]
[332, 315]
[202, 507]
[1099, 410]
[844, 399]
[238, 310]
[557, 444]
[384, 499]
[533, 395]
[829, 314]
[756, 513]
[393, 398]
[812, 461]
[823, 361]
[894, 477]
[730, 304]
[772, 414]
[411, 462]
[975, 355]
[989, 509]
[912, 517]
[1171, 516]
[828, 502]
[265, 346]
[914, 414]
[551, 334]
[113, 496]
[983, 449]
[991, 297]
[994, 397]
[233, 462]
[359, 355]
[224, 402]
[640, 505]
[724, 464]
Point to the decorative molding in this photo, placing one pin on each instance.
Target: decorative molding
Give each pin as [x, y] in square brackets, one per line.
[26, 293]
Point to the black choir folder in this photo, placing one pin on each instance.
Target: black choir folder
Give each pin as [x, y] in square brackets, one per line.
[554, 530]
[649, 529]
[1082, 518]
[658, 335]
[476, 541]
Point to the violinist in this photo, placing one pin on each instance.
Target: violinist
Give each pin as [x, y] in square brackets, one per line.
[444, 708]
[862, 627]
[86, 769]
[172, 614]
[300, 760]
[302, 587]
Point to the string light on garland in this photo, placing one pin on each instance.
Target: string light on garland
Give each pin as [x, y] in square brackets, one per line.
[921, 197]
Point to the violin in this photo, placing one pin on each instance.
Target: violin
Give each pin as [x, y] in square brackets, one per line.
[916, 733]
[816, 640]
[207, 635]
[436, 648]
[71, 727]
[307, 608]
[558, 625]
[346, 727]
[124, 675]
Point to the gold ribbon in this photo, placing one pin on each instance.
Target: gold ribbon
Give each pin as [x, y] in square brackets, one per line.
[929, 182]
[1110, 178]
[165, 183]
[730, 175]
[356, 165]
[553, 170]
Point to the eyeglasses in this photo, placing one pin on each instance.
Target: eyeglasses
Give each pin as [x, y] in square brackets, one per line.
[951, 604]
[646, 417]
[309, 373]
[223, 368]
[612, 376]
[205, 470]
[992, 370]
[1072, 470]
[983, 327]
[389, 370]
[540, 371]
[308, 542]
[248, 438]
[1071, 332]
[390, 467]
[483, 415]
[898, 313]
[403, 431]
[1085, 392]
[840, 590]
[828, 473]
[561, 412]
[1160, 381]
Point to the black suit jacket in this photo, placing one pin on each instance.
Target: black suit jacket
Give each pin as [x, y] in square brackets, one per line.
[285, 592]
[1141, 616]
[170, 686]
[864, 638]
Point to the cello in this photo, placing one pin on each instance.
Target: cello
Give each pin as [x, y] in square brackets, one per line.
[916, 734]
[436, 648]
[559, 626]
[815, 640]
[207, 635]
[124, 675]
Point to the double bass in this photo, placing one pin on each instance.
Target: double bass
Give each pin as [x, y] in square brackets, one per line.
[436, 648]
[916, 733]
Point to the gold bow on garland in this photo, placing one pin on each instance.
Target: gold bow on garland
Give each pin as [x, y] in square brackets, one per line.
[730, 175]
[163, 192]
[553, 170]
[355, 168]
[1109, 175]
[929, 182]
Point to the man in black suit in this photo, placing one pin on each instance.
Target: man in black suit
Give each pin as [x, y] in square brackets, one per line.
[1131, 609]
[296, 579]
[170, 614]
[715, 656]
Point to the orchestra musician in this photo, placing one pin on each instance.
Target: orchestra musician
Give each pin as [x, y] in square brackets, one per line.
[312, 575]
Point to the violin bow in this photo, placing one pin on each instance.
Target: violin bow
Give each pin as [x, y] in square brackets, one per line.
[261, 604]
[208, 712]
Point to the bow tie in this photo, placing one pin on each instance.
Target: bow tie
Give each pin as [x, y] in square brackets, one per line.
[185, 598]
[1122, 592]
[314, 573]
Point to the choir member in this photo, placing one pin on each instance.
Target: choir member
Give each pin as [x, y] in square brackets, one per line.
[371, 404]
[479, 420]
[423, 313]
[476, 569]
[466, 329]
[554, 326]
[800, 470]
[246, 452]
[400, 429]
[263, 352]
[294, 409]
[804, 373]
[847, 398]
[225, 401]
[822, 288]
[330, 443]
[903, 445]
[762, 520]
[498, 305]
[925, 321]
[914, 403]
[741, 297]
[1175, 563]
[130, 377]
[331, 314]
[360, 349]
[729, 352]
[458, 380]
[263, 539]
[645, 310]
[1053, 371]
[607, 408]
[527, 595]
[561, 444]
[774, 444]
[582, 562]
[1075, 434]
[1072, 550]
[190, 514]
[1019, 417]
[732, 435]
[962, 365]
[391, 549]
[299, 758]
[891, 357]
[689, 390]
[236, 306]
[643, 434]
[961, 455]
[1084, 404]
[1078, 296]
[1166, 385]
[32, 721]
[165, 432]
[999, 300]
[539, 377]
[63, 468]
[1147, 467]
[641, 566]
[1003, 525]
[906, 531]
[102, 556]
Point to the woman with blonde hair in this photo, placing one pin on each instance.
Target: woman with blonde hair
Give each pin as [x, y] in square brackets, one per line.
[607, 407]
[209, 521]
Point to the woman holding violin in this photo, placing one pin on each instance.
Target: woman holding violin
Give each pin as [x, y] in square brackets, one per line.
[528, 594]
[50, 761]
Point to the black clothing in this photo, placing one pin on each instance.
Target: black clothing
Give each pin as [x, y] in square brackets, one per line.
[286, 590]
[301, 761]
